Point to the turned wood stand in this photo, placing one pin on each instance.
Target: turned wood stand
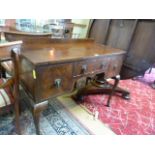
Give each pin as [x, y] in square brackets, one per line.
[101, 86]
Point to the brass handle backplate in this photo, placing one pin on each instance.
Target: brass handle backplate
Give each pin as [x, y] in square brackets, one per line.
[57, 83]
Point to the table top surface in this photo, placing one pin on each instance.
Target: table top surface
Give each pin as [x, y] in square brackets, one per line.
[63, 52]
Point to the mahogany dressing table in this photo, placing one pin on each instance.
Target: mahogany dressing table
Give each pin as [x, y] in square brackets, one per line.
[54, 69]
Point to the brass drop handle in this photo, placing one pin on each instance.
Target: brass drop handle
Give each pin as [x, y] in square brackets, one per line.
[57, 83]
[84, 68]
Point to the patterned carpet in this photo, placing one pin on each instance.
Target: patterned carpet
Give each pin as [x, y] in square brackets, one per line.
[54, 121]
[133, 117]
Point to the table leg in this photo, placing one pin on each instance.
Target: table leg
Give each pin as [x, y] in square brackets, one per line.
[36, 118]
[17, 122]
[116, 78]
[36, 111]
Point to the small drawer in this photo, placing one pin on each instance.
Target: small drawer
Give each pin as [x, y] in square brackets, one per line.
[114, 67]
[83, 68]
[102, 64]
[55, 80]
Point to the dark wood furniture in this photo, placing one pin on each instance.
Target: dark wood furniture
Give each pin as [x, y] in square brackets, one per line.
[5, 49]
[29, 40]
[5, 54]
[9, 88]
[136, 36]
[55, 68]
[77, 57]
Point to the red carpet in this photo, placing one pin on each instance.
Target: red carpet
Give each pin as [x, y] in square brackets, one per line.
[133, 117]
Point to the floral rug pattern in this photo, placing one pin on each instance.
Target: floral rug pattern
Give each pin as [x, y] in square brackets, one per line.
[54, 121]
[128, 117]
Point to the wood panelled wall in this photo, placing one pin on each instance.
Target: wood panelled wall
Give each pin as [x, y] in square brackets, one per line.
[137, 37]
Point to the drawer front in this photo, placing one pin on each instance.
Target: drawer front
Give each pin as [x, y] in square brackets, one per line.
[102, 64]
[115, 65]
[54, 80]
[82, 68]
[89, 67]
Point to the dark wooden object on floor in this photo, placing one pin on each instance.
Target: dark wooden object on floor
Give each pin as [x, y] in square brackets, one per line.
[30, 40]
[12, 84]
[96, 85]
[5, 54]
[52, 71]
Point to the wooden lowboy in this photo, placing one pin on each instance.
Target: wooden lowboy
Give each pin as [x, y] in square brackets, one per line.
[53, 69]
